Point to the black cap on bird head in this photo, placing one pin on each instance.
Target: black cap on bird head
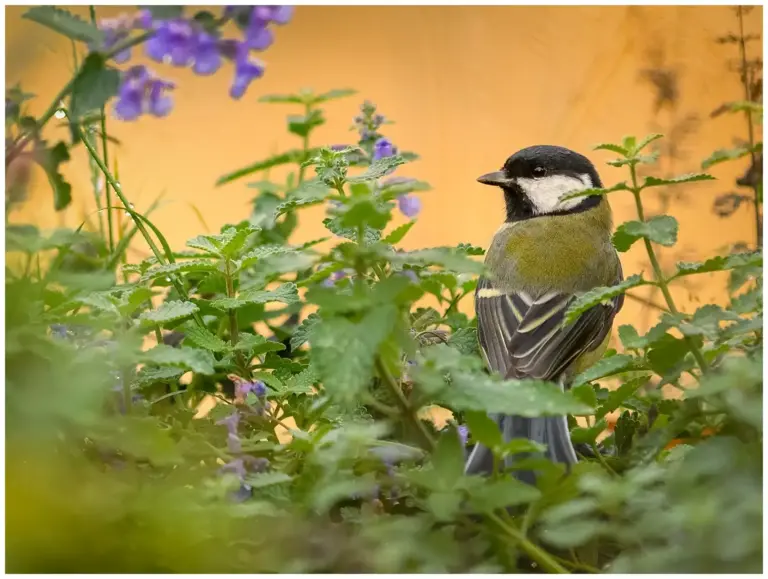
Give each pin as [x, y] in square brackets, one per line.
[536, 179]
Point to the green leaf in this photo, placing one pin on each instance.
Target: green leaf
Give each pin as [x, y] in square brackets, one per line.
[447, 257]
[287, 293]
[617, 397]
[688, 178]
[168, 312]
[572, 533]
[611, 147]
[49, 160]
[191, 265]
[397, 234]
[605, 367]
[365, 211]
[483, 429]
[93, 86]
[448, 459]
[645, 142]
[588, 435]
[301, 334]
[500, 493]
[666, 354]
[164, 12]
[632, 340]
[293, 156]
[308, 193]
[235, 238]
[720, 263]
[724, 155]
[378, 169]
[147, 376]
[282, 99]
[301, 383]
[267, 479]
[444, 505]
[332, 95]
[465, 341]
[204, 338]
[302, 125]
[596, 191]
[334, 226]
[600, 295]
[661, 229]
[586, 394]
[65, 23]
[256, 344]
[199, 361]
[343, 352]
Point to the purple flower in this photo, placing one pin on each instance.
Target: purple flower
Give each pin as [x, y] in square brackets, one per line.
[463, 432]
[236, 467]
[246, 70]
[115, 31]
[159, 103]
[233, 443]
[277, 14]
[207, 59]
[174, 42]
[258, 36]
[331, 280]
[257, 387]
[409, 205]
[383, 148]
[230, 422]
[411, 275]
[141, 92]
[142, 20]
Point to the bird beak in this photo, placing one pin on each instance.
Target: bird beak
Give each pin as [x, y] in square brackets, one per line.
[498, 178]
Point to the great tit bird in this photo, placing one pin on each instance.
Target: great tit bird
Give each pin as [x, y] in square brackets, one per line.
[549, 249]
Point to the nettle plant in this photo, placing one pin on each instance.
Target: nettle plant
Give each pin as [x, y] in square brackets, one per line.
[324, 361]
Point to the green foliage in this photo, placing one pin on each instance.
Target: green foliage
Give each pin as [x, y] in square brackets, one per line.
[64, 22]
[323, 364]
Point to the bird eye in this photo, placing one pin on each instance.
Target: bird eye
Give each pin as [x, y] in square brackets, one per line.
[539, 171]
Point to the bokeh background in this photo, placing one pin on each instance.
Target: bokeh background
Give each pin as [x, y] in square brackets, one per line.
[467, 86]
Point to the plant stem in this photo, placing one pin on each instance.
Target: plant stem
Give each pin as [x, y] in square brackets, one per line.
[405, 406]
[748, 115]
[304, 146]
[661, 281]
[646, 301]
[137, 221]
[535, 552]
[234, 329]
[24, 138]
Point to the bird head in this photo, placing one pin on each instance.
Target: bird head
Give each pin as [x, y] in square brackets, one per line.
[536, 179]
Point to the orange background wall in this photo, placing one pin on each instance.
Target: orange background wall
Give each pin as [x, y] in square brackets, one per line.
[467, 86]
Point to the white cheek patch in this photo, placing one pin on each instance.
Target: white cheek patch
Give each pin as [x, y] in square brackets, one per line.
[546, 193]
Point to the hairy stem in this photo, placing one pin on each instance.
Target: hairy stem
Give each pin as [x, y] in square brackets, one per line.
[547, 562]
[405, 406]
[660, 279]
[234, 328]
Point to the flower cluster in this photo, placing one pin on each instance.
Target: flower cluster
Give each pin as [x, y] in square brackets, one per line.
[118, 29]
[368, 123]
[183, 42]
[142, 92]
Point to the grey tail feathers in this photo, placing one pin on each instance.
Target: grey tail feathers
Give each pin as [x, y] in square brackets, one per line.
[551, 431]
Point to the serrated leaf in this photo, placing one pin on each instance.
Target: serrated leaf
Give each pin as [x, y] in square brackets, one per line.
[720, 263]
[333, 94]
[596, 191]
[93, 86]
[199, 361]
[301, 334]
[500, 493]
[308, 193]
[378, 169]
[196, 265]
[267, 479]
[444, 504]
[397, 234]
[688, 178]
[586, 394]
[448, 460]
[171, 311]
[282, 99]
[343, 352]
[66, 23]
[605, 367]
[234, 239]
[302, 125]
[722, 155]
[204, 338]
[293, 156]
[617, 397]
[148, 376]
[334, 226]
[464, 340]
[447, 257]
[100, 301]
[588, 435]
[645, 142]
[611, 147]
[287, 293]
[257, 344]
[600, 295]
[661, 229]
[301, 383]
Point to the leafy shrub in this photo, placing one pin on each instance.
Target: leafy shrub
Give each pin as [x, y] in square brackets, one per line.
[113, 466]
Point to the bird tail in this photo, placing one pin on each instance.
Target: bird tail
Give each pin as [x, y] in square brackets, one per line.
[551, 431]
